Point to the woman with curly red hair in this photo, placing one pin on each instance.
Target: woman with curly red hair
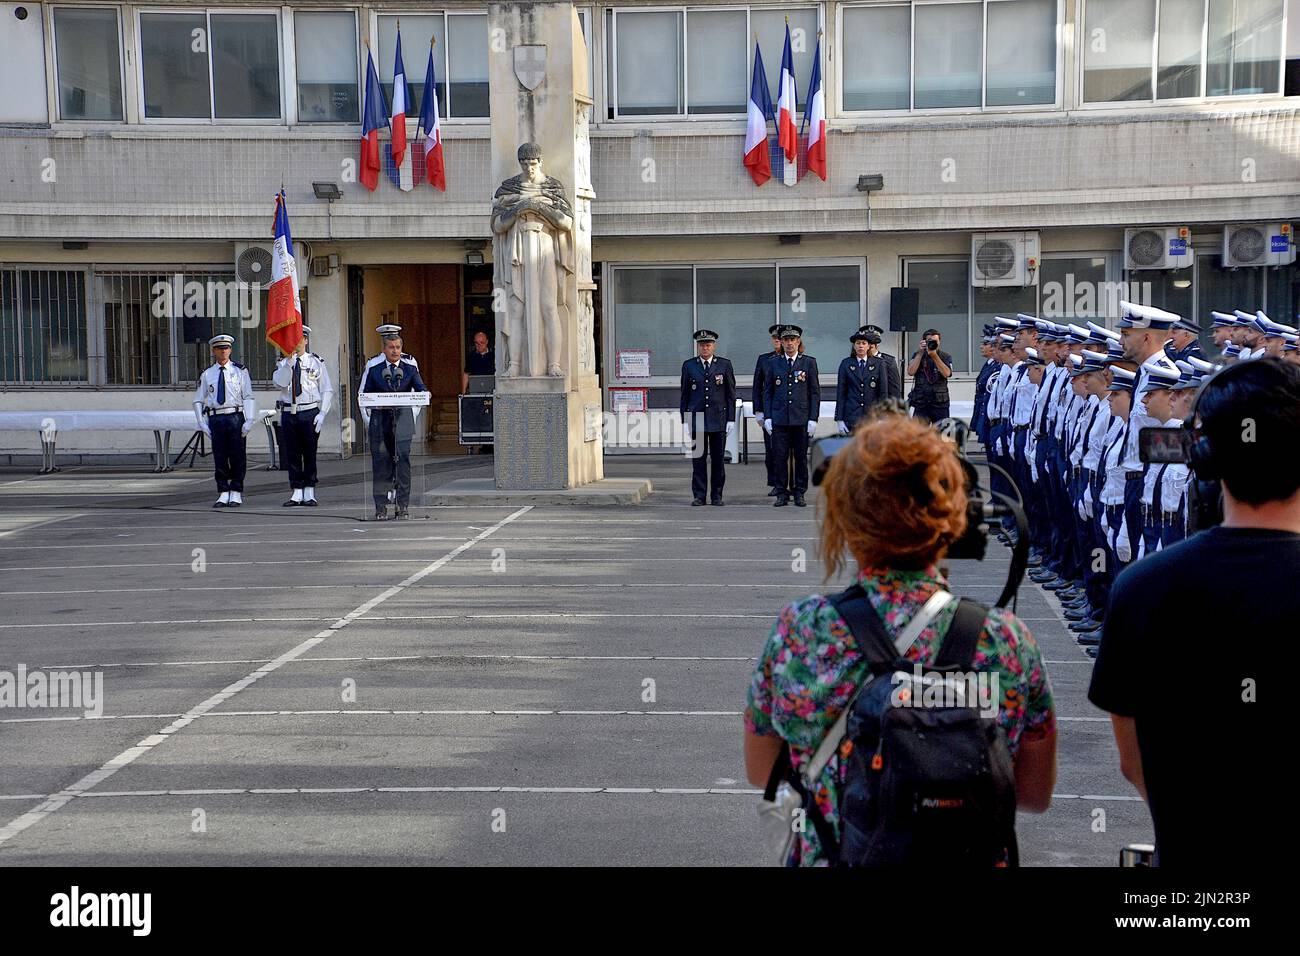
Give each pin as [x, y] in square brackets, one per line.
[893, 500]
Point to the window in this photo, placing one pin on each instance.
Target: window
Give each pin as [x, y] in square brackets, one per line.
[696, 62]
[210, 65]
[157, 324]
[325, 47]
[969, 54]
[944, 304]
[1074, 290]
[43, 326]
[659, 308]
[1202, 48]
[459, 57]
[653, 309]
[88, 54]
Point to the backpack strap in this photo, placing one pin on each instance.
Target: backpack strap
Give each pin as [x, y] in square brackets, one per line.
[958, 644]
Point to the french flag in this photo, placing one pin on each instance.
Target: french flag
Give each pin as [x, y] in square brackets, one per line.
[283, 313]
[815, 116]
[433, 164]
[757, 159]
[374, 117]
[401, 171]
[786, 136]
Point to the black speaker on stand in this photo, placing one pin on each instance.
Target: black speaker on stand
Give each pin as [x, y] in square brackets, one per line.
[904, 310]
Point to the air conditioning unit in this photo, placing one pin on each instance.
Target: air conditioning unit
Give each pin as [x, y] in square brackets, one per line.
[253, 263]
[1157, 247]
[1003, 258]
[1258, 244]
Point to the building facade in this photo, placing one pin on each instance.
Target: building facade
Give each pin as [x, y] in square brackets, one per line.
[995, 155]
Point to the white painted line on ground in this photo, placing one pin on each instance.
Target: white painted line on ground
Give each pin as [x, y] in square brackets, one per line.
[377, 562]
[131, 754]
[336, 791]
[539, 615]
[355, 545]
[401, 657]
[440, 586]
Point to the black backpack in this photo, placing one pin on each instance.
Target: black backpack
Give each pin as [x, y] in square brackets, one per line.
[922, 785]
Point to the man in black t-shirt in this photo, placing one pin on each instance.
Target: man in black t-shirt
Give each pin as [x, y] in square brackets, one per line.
[1189, 630]
[931, 367]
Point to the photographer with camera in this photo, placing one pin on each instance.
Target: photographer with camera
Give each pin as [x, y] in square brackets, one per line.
[895, 499]
[930, 369]
[1176, 674]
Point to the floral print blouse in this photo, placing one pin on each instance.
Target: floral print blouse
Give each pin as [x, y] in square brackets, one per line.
[810, 665]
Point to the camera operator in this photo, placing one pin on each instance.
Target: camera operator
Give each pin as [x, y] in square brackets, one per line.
[930, 369]
[1177, 666]
[894, 500]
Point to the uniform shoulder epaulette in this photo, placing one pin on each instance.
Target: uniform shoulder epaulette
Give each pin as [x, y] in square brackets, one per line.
[317, 357]
[409, 360]
[237, 365]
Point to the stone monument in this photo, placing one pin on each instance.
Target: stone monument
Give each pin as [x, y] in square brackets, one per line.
[547, 404]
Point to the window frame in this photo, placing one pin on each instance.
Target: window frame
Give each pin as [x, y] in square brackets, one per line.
[609, 319]
[1155, 101]
[1057, 104]
[360, 67]
[444, 115]
[213, 120]
[610, 62]
[54, 53]
[90, 333]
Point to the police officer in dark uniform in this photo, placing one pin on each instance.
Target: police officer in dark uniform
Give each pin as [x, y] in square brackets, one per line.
[863, 379]
[1184, 341]
[792, 403]
[708, 407]
[774, 483]
[979, 421]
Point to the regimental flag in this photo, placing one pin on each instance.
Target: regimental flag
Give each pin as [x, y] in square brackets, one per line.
[374, 117]
[815, 116]
[786, 135]
[435, 171]
[757, 160]
[400, 171]
[283, 313]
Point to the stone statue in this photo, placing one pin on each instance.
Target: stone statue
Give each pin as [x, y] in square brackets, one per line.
[532, 251]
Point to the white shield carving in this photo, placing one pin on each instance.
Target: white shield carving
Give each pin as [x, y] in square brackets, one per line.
[530, 66]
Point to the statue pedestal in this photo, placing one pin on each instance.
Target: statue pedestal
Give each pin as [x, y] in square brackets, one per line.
[547, 434]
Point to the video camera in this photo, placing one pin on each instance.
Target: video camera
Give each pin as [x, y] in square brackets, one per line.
[981, 506]
[1173, 446]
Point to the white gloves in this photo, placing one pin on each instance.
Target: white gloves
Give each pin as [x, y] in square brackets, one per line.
[248, 427]
[1142, 547]
[1087, 505]
[365, 416]
[812, 427]
[1082, 509]
[203, 423]
[320, 420]
[1123, 550]
[767, 425]
[731, 427]
[842, 428]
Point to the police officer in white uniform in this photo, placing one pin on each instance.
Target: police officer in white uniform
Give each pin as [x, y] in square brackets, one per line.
[305, 399]
[226, 411]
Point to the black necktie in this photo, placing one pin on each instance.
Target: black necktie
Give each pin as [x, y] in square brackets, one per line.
[862, 367]
[221, 386]
[791, 363]
[391, 375]
[297, 377]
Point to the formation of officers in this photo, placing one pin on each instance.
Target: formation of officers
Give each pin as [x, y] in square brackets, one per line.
[787, 403]
[226, 410]
[1059, 409]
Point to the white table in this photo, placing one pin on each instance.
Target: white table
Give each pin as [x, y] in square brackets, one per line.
[48, 424]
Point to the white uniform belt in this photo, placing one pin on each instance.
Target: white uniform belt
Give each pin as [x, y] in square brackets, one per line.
[300, 407]
[223, 411]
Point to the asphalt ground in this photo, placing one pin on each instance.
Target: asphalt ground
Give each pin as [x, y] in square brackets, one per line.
[478, 685]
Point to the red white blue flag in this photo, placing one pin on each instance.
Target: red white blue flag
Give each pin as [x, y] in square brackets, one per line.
[757, 160]
[400, 171]
[283, 313]
[785, 105]
[374, 117]
[815, 116]
[433, 162]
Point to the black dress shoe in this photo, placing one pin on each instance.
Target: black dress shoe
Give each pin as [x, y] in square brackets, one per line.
[773, 492]
[292, 504]
[310, 503]
[696, 502]
[220, 504]
[1091, 639]
[381, 514]
[781, 501]
[716, 501]
[402, 512]
[799, 502]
